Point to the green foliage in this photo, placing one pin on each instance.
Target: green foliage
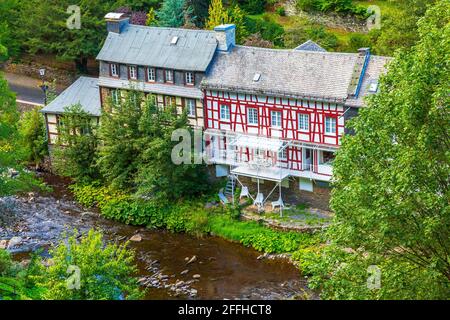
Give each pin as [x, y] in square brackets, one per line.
[191, 217]
[253, 234]
[106, 271]
[302, 33]
[253, 6]
[41, 27]
[359, 40]
[75, 153]
[267, 27]
[17, 280]
[338, 6]
[399, 29]
[136, 153]
[391, 186]
[173, 13]
[33, 136]
[11, 155]
[281, 11]
[218, 14]
[199, 11]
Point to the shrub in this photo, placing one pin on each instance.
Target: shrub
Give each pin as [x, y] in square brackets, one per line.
[281, 11]
[33, 136]
[106, 270]
[266, 27]
[358, 40]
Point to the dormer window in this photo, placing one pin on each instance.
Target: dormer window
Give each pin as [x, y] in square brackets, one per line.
[114, 70]
[151, 74]
[189, 78]
[168, 76]
[132, 72]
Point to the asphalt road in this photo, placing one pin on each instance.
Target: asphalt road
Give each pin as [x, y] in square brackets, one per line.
[26, 88]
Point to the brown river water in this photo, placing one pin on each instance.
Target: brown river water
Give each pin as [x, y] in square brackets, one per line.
[223, 270]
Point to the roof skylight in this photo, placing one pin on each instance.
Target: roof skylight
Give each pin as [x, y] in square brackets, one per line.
[256, 77]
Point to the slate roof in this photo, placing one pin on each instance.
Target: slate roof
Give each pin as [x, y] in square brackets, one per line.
[310, 46]
[297, 74]
[83, 91]
[375, 68]
[151, 46]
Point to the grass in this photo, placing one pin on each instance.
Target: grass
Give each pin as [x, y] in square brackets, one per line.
[298, 215]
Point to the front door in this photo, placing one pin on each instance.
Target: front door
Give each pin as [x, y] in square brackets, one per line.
[307, 155]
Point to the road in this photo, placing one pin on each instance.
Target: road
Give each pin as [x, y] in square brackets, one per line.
[26, 88]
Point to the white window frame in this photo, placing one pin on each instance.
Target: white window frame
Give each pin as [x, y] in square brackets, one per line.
[114, 68]
[115, 96]
[277, 116]
[189, 78]
[191, 108]
[330, 125]
[252, 116]
[225, 112]
[151, 74]
[169, 78]
[133, 72]
[303, 122]
[282, 155]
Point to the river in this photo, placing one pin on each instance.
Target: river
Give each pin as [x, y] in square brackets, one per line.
[220, 269]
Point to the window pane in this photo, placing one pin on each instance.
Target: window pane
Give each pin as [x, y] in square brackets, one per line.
[276, 118]
[252, 116]
[330, 125]
[190, 103]
[189, 78]
[151, 74]
[303, 122]
[224, 112]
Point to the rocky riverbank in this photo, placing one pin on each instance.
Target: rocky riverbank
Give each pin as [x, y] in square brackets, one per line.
[171, 266]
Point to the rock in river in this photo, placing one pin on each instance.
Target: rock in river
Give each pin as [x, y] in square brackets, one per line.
[14, 241]
[136, 238]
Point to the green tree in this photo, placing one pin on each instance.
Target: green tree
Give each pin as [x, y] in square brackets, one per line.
[42, 27]
[12, 176]
[391, 186]
[75, 154]
[217, 15]
[106, 271]
[173, 13]
[234, 15]
[157, 175]
[399, 30]
[33, 136]
[199, 11]
[119, 132]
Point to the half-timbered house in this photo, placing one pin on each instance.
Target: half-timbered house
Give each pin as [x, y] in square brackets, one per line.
[280, 115]
[267, 114]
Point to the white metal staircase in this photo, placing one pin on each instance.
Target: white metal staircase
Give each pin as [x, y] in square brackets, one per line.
[230, 188]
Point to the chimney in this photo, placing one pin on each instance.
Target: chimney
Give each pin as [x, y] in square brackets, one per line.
[226, 36]
[116, 22]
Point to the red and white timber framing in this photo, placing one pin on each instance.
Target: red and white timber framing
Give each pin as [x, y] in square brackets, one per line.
[317, 111]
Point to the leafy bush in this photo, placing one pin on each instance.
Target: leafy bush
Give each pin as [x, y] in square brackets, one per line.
[33, 136]
[359, 40]
[281, 11]
[106, 270]
[300, 34]
[338, 6]
[253, 6]
[266, 27]
[190, 217]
